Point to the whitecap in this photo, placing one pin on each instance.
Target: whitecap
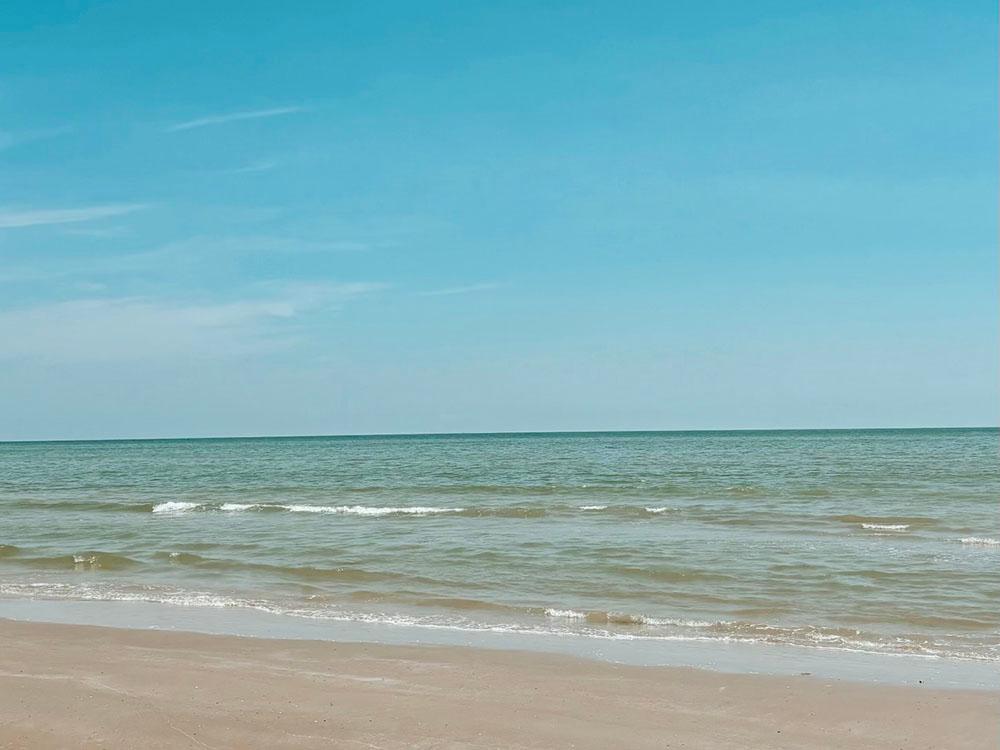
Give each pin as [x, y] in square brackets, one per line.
[174, 506]
[980, 541]
[593, 507]
[568, 614]
[886, 526]
[367, 510]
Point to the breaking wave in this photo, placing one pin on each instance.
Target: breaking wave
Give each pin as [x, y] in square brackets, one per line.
[886, 526]
[979, 541]
[175, 506]
[78, 561]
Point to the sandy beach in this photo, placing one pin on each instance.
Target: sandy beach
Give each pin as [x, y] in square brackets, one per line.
[86, 687]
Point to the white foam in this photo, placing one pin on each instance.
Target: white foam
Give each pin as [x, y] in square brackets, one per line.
[174, 506]
[755, 634]
[569, 614]
[980, 541]
[593, 507]
[657, 510]
[645, 620]
[367, 510]
[886, 526]
[349, 510]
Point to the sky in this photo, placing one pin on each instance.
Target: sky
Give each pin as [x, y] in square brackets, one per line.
[259, 218]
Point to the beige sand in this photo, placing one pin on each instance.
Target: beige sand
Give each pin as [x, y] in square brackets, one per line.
[65, 686]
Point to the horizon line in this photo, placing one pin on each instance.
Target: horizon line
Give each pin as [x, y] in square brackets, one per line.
[476, 433]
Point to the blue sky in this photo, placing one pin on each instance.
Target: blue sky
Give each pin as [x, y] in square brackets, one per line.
[315, 218]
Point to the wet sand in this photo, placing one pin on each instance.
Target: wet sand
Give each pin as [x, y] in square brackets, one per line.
[65, 686]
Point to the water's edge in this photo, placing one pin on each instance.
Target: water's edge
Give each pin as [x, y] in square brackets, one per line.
[741, 658]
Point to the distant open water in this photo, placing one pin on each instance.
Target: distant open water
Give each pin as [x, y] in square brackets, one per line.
[884, 541]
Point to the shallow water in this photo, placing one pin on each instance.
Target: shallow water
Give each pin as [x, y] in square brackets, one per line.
[868, 541]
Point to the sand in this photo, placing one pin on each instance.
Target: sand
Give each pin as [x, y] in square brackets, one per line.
[67, 686]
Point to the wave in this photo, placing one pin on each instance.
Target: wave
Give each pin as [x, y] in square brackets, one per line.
[611, 511]
[348, 510]
[460, 604]
[894, 523]
[669, 575]
[175, 506]
[103, 561]
[182, 558]
[744, 489]
[886, 526]
[80, 561]
[80, 505]
[794, 520]
[699, 512]
[979, 541]
[508, 512]
[374, 510]
[628, 618]
[343, 574]
[565, 614]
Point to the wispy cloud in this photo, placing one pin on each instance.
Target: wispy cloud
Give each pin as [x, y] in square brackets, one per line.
[101, 233]
[166, 261]
[124, 329]
[141, 329]
[11, 218]
[222, 119]
[10, 139]
[467, 289]
[262, 165]
[205, 249]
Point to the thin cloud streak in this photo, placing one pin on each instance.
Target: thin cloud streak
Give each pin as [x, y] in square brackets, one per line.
[97, 232]
[195, 252]
[144, 329]
[468, 289]
[13, 218]
[10, 139]
[204, 122]
[257, 166]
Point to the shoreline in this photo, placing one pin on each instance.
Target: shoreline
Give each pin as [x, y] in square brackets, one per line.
[705, 655]
[85, 686]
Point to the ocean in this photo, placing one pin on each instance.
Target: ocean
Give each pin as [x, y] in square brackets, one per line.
[872, 541]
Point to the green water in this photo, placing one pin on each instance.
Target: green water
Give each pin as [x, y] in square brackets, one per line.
[881, 541]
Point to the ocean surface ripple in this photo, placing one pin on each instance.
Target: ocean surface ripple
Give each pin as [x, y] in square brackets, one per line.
[881, 541]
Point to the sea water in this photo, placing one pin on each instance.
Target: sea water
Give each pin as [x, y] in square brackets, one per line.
[879, 542]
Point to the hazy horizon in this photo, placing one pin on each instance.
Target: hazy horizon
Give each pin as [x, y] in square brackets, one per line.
[513, 433]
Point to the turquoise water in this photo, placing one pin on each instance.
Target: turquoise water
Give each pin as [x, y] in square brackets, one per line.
[882, 541]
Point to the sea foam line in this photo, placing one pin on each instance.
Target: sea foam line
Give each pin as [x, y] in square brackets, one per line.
[980, 541]
[175, 506]
[886, 526]
[703, 631]
[568, 614]
[351, 510]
